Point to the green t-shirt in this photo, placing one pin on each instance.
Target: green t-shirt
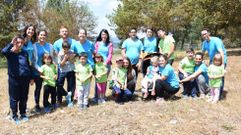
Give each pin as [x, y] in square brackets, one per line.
[120, 74]
[187, 65]
[165, 45]
[99, 69]
[84, 71]
[50, 72]
[215, 71]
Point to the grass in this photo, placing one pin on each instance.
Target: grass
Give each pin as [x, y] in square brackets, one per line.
[173, 117]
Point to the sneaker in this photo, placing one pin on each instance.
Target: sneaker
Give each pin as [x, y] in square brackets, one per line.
[55, 106]
[202, 96]
[47, 110]
[37, 109]
[99, 101]
[84, 107]
[70, 105]
[185, 97]
[95, 100]
[160, 100]
[24, 118]
[194, 97]
[103, 100]
[68, 98]
[16, 120]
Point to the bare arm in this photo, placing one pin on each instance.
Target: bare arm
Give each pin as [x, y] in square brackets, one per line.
[193, 76]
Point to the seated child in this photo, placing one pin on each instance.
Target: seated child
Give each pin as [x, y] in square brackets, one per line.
[186, 68]
[119, 77]
[148, 83]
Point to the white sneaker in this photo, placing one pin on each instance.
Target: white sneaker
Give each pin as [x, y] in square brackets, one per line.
[103, 100]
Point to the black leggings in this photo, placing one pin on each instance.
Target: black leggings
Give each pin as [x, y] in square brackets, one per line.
[163, 89]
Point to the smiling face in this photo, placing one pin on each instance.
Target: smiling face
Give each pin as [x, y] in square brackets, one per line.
[42, 36]
[30, 31]
[19, 43]
[82, 35]
[149, 33]
[104, 36]
[132, 33]
[82, 60]
[162, 61]
[198, 59]
[205, 35]
[64, 33]
[161, 33]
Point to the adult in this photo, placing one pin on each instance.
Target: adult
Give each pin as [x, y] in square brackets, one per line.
[132, 48]
[167, 84]
[214, 45]
[200, 75]
[64, 33]
[166, 45]
[150, 44]
[30, 36]
[19, 75]
[40, 48]
[104, 47]
[84, 45]
[131, 75]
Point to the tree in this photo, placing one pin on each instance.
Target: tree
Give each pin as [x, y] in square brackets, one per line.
[74, 15]
[185, 18]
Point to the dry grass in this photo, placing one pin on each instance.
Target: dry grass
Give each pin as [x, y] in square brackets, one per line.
[173, 117]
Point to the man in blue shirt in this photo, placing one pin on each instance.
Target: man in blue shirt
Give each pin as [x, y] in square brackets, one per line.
[214, 45]
[19, 75]
[132, 48]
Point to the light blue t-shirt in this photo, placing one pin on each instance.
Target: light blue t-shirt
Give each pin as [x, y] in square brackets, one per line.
[28, 47]
[133, 49]
[88, 48]
[58, 44]
[103, 50]
[168, 71]
[212, 48]
[39, 51]
[150, 45]
[202, 67]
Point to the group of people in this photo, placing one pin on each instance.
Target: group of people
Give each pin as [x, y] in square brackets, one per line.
[33, 60]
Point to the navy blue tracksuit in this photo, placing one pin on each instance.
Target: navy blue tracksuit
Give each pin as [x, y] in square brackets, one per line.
[19, 75]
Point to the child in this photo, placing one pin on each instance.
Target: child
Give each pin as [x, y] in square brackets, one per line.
[66, 59]
[215, 74]
[19, 75]
[186, 68]
[101, 78]
[49, 75]
[119, 76]
[150, 78]
[83, 75]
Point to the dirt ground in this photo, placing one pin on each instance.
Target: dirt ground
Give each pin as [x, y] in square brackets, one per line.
[173, 117]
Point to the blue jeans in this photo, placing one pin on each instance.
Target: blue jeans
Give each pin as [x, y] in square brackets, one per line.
[121, 93]
[189, 88]
[70, 76]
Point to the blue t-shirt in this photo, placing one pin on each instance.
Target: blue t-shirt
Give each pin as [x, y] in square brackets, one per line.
[28, 47]
[103, 50]
[150, 45]
[202, 67]
[169, 73]
[133, 49]
[39, 51]
[58, 44]
[213, 46]
[88, 48]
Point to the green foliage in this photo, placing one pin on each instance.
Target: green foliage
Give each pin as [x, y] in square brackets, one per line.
[72, 14]
[185, 18]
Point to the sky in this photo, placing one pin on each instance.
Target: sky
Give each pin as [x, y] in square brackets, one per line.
[100, 9]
